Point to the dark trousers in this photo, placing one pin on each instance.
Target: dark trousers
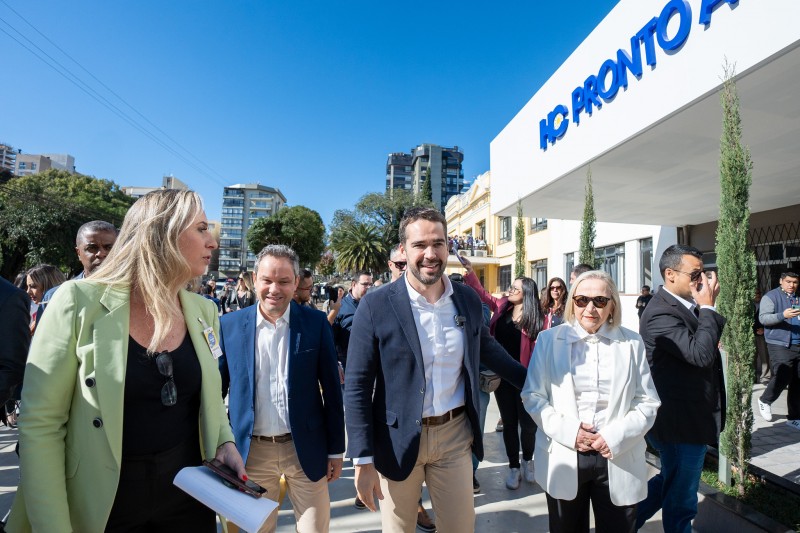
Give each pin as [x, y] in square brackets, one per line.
[515, 417]
[572, 516]
[785, 372]
[148, 502]
[761, 358]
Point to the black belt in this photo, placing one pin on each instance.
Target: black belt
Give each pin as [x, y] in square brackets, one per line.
[441, 419]
[286, 437]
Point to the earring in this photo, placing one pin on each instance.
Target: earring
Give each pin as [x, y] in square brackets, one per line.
[611, 320]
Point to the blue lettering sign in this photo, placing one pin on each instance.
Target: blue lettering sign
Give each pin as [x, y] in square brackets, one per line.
[554, 127]
[708, 6]
[684, 11]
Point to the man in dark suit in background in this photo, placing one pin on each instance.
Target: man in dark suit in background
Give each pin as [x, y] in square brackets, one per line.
[16, 338]
[411, 389]
[285, 395]
[681, 330]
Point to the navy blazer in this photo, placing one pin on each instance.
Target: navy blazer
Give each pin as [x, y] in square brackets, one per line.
[316, 416]
[385, 352]
[687, 370]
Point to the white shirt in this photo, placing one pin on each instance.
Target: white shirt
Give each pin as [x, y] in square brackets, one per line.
[591, 373]
[442, 343]
[690, 305]
[272, 375]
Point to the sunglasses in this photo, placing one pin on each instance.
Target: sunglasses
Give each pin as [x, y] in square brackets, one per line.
[401, 265]
[694, 275]
[598, 301]
[556, 288]
[169, 393]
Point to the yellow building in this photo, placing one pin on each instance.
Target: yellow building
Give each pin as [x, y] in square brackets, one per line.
[492, 247]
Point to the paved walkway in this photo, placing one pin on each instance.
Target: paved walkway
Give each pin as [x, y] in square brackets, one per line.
[776, 448]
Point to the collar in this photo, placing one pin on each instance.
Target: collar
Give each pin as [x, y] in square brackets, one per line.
[574, 332]
[686, 303]
[414, 296]
[261, 321]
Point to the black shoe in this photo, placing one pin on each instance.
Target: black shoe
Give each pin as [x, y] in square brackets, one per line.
[424, 522]
[358, 504]
[476, 487]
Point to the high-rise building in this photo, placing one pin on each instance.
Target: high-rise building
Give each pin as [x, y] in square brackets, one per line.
[243, 204]
[409, 171]
[398, 171]
[8, 158]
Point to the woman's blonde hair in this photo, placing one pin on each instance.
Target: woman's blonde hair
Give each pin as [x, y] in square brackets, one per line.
[247, 278]
[147, 259]
[46, 277]
[616, 313]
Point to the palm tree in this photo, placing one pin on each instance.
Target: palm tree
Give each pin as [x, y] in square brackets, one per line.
[360, 247]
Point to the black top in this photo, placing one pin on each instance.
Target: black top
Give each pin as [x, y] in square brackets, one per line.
[508, 335]
[148, 425]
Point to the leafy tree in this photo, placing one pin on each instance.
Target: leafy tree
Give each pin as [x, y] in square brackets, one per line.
[737, 270]
[382, 210]
[327, 265]
[361, 247]
[519, 235]
[426, 191]
[296, 226]
[586, 253]
[41, 213]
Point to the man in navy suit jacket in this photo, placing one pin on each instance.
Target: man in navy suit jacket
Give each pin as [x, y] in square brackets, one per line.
[285, 395]
[418, 343]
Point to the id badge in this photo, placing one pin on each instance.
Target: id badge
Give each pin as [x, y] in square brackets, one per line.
[211, 339]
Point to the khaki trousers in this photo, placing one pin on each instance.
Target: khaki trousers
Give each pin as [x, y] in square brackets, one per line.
[444, 463]
[310, 500]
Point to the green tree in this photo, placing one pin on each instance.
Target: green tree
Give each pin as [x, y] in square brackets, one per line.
[426, 191]
[296, 226]
[586, 253]
[737, 273]
[41, 213]
[361, 247]
[519, 235]
[327, 265]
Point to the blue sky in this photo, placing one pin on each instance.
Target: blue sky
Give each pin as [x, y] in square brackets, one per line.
[309, 97]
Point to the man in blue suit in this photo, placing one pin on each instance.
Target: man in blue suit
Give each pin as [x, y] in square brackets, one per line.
[419, 343]
[285, 395]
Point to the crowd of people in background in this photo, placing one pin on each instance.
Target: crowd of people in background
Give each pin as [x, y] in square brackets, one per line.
[123, 370]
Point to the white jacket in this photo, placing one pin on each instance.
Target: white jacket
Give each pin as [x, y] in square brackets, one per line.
[549, 397]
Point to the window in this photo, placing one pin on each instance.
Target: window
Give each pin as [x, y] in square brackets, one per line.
[504, 277]
[646, 261]
[538, 224]
[33, 166]
[22, 165]
[539, 272]
[611, 259]
[505, 229]
[569, 264]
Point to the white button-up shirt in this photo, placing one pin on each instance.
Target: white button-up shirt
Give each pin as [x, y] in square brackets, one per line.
[272, 375]
[591, 373]
[442, 343]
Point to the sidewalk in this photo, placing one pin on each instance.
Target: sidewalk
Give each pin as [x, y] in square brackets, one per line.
[776, 446]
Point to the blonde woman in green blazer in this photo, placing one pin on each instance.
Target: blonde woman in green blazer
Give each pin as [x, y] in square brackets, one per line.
[75, 395]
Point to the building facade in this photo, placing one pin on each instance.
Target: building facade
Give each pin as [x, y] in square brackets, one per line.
[27, 164]
[167, 182]
[242, 205]
[638, 103]
[409, 171]
[8, 158]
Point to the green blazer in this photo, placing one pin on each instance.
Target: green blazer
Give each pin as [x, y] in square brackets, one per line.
[75, 382]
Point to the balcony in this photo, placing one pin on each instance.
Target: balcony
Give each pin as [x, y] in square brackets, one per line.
[480, 256]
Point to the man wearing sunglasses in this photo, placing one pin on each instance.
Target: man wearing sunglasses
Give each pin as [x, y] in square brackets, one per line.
[681, 330]
[397, 262]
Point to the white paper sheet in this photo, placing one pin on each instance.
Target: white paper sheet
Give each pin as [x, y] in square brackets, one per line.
[245, 511]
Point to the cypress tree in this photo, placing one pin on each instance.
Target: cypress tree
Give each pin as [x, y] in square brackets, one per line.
[426, 192]
[737, 274]
[586, 252]
[519, 236]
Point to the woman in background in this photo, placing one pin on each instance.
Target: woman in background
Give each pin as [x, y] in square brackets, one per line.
[589, 389]
[122, 386]
[39, 280]
[243, 296]
[554, 300]
[516, 322]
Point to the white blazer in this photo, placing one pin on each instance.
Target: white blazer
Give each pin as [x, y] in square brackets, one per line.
[549, 397]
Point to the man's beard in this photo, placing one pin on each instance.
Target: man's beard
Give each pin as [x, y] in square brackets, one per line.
[429, 280]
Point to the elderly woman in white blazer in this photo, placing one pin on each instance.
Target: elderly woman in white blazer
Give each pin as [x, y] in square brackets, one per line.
[590, 392]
